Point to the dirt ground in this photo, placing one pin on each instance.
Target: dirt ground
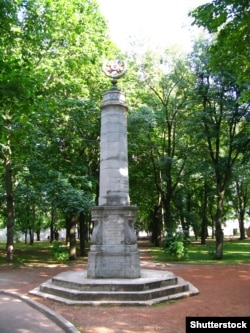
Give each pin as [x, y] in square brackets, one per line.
[224, 292]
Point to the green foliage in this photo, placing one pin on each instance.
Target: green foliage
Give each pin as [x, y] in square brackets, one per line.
[51, 54]
[185, 121]
[157, 131]
[210, 250]
[39, 254]
[229, 21]
[176, 245]
[235, 252]
[59, 251]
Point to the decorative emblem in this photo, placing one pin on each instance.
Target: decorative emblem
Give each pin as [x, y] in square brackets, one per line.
[114, 69]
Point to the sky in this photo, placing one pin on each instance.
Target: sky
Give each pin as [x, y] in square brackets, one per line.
[161, 23]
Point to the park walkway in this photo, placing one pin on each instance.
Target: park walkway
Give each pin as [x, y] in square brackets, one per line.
[224, 291]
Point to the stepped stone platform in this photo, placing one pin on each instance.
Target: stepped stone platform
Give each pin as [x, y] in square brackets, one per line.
[73, 287]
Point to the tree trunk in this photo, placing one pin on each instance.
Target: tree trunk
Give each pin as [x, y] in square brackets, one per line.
[242, 204]
[25, 236]
[167, 198]
[82, 234]
[204, 231]
[52, 223]
[204, 221]
[67, 239]
[241, 215]
[156, 226]
[72, 237]
[10, 211]
[31, 233]
[219, 236]
[38, 225]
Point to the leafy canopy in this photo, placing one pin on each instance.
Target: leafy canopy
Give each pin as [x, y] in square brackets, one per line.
[229, 21]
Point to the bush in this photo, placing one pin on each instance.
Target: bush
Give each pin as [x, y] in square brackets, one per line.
[176, 245]
[59, 252]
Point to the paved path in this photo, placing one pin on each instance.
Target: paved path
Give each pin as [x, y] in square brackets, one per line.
[20, 314]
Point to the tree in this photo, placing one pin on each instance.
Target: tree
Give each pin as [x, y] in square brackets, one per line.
[163, 82]
[141, 175]
[229, 20]
[240, 193]
[195, 199]
[223, 120]
[15, 80]
[50, 53]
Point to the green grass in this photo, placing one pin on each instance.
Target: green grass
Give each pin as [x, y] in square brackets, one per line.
[37, 255]
[234, 252]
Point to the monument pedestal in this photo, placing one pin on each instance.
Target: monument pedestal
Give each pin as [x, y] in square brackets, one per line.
[113, 251]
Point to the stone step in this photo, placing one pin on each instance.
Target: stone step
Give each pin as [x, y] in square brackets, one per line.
[152, 287]
[36, 292]
[113, 287]
[144, 295]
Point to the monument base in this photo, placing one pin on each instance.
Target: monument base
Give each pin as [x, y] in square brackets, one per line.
[154, 286]
[113, 251]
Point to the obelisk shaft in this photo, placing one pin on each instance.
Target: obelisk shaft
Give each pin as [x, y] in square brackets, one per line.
[114, 184]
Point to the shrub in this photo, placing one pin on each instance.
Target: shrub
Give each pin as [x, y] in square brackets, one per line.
[59, 252]
[176, 245]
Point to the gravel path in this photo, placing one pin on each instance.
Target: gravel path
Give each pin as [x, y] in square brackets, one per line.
[224, 291]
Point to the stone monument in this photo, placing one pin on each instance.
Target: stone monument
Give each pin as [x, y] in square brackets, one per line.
[113, 251]
[113, 275]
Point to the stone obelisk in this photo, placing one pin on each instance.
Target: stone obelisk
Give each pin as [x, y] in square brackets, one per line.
[113, 251]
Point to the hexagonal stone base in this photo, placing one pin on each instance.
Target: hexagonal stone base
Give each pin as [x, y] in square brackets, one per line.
[152, 287]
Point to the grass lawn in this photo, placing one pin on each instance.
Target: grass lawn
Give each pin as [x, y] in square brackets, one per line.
[40, 254]
[234, 252]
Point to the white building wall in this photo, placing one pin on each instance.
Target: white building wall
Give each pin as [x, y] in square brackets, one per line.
[43, 235]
